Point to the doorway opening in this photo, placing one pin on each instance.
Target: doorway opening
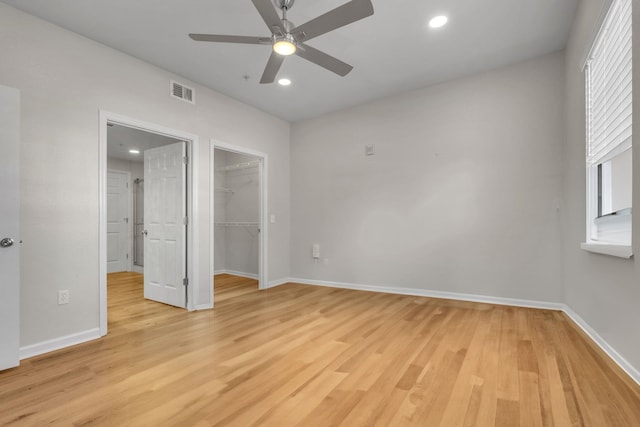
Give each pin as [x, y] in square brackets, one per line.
[146, 210]
[238, 234]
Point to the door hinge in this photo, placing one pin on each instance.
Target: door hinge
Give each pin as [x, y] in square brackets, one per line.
[185, 220]
[185, 281]
[185, 160]
[127, 256]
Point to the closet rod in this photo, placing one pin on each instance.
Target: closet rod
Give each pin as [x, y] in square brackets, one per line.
[238, 166]
[225, 189]
[237, 224]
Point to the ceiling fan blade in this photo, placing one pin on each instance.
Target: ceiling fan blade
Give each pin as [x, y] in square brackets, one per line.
[336, 18]
[325, 61]
[230, 39]
[272, 68]
[269, 15]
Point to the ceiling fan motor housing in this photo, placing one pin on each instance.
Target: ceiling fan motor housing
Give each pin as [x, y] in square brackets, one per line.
[284, 4]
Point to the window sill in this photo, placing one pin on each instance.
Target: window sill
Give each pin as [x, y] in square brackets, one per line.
[621, 251]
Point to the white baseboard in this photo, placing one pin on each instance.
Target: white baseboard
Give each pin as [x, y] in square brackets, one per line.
[277, 282]
[603, 344]
[236, 273]
[58, 343]
[203, 307]
[435, 294]
[591, 333]
[138, 269]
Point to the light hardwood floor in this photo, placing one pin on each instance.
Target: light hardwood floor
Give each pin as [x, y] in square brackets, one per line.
[312, 356]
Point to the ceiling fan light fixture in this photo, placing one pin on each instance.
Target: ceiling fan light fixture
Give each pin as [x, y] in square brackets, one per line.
[285, 46]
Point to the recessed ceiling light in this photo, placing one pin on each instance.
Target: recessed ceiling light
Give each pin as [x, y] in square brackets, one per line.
[284, 82]
[134, 151]
[438, 21]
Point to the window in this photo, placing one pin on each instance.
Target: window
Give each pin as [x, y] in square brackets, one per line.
[609, 108]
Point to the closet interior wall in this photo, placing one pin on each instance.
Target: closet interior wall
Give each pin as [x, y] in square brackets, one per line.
[236, 214]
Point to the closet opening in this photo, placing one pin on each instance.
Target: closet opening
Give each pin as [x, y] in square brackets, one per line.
[237, 225]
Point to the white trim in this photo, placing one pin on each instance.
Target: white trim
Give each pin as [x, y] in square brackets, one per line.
[603, 344]
[434, 294]
[193, 238]
[278, 282]
[58, 343]
[237, 273]
[192, 212]
[138, 269]
[621, 251]
[263, 253]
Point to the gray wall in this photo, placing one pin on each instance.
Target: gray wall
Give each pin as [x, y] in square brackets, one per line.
[65, 80]
[462, 195]
[603, 290]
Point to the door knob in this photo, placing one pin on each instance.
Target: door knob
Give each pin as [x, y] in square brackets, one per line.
[143, 232]
[6, 242]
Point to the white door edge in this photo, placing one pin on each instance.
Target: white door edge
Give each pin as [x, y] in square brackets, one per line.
[192, 235]
[10, 119]
[263, 254]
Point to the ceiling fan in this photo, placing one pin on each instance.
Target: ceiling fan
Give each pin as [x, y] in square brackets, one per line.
[287, 39]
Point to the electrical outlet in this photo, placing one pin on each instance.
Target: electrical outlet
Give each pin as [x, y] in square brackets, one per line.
[63, 297]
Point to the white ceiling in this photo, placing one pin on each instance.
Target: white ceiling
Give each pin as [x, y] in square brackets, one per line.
[392, 51]
[121, 139]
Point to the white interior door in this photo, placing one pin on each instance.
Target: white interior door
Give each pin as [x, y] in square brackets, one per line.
[165, 224]
[118, 239]
[9, 227]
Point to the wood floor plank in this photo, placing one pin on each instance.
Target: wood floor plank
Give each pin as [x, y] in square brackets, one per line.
[305, 355]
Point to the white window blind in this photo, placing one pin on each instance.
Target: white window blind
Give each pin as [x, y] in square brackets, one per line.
[609, 87]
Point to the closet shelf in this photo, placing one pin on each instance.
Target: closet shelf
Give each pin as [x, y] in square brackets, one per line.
[224, 190]
[236, 224]
[238, 166]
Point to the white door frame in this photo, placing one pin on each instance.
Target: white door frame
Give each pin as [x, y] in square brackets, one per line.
[263, 254]
[129, 195]
[192, 208]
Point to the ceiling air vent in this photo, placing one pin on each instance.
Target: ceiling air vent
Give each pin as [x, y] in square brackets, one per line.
[180, 91]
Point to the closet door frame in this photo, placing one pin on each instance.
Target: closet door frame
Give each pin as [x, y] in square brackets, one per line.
[262, 218]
